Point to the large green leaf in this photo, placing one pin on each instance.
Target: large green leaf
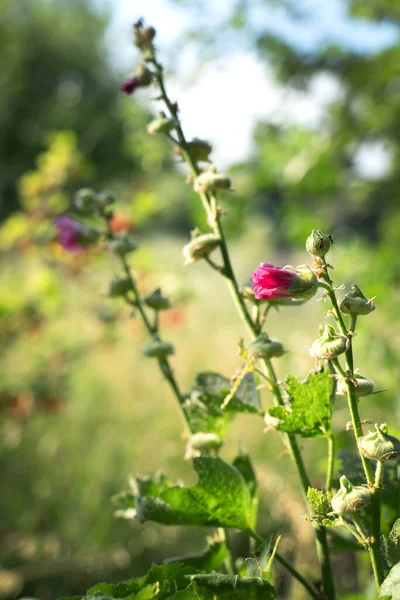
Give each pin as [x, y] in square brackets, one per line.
[392, 544]
[161, 581]
[211, 559]
[221, 498]
[309, 412]
[390, 589]
[232, 587]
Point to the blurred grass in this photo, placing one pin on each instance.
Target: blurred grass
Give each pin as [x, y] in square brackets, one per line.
[119, 417]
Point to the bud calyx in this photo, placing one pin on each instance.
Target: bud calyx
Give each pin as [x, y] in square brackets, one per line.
[349, 497]
[355, 303]
[378, 445]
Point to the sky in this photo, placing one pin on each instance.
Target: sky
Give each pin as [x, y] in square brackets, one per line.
[233, 91]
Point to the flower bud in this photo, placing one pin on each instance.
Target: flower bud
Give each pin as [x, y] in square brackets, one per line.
[330, 344]
[199, 149]
[122, 244]
[378, 445]
[205, 441]
[119, 287]
[73, 235]
[143, 36]
[263, 347]
[318, 243]
[200, 247]
[161, 125]
[158, 349]
[355, 303]
[86, 201]
[275, 283]
[350, 497]
[142, 78]
[363, 386]
[157, 301]
[210, 180]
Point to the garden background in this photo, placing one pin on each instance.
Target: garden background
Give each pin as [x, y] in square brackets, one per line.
[301, 103]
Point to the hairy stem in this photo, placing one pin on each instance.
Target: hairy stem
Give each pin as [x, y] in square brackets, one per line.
[374, 547]
[331, 462]
[209, 201]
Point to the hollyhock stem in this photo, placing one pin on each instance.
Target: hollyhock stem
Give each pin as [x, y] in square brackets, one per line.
[209, 201]
[163, 363]
[374, 548]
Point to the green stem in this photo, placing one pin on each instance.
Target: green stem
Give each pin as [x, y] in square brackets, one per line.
[374, 547]
[290, 568]
[209, 202]
[228, 562]
[331, 462]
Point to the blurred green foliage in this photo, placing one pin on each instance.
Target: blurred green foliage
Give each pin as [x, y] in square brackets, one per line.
[79, 407]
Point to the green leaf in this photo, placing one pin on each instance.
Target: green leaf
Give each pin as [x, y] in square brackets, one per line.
[161, 582]
[244, 465]
[203, 404]
[231, 587]
[390, 589]
[246, 399]
[221, 498]
[211, 559]
[310, 409]
[392, 544]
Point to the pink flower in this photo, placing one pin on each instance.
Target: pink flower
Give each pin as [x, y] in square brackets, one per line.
[272, 283]
[130, 85]
[69, 233]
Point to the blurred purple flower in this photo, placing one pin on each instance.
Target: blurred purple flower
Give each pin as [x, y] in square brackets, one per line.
[69, 233]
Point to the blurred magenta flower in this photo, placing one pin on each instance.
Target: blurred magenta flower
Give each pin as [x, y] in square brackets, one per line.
[69, 233]
[274, 283]
[130, 85]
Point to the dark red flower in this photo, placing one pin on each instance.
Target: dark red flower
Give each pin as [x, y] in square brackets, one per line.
[130, 85]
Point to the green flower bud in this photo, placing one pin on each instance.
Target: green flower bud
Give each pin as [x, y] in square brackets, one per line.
[161, 125]
[199, 150]
[378, 445]
[209, 180]
[158, 349]
[144, 76]
[318, 243]
[305, 285]
[119, 287]
[330, 344]
[355, 303]
[86, 201]
[123, 244]
[263, 347]
[200, 247]
[363, 385]
[143, 36]
[205, 441]
[157, 301]
[350, 497]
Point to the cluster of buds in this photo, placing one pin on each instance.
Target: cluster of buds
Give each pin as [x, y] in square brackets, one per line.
[88, 202]
[378, 445]
[263, 347]
[355, 303]
[349, 498]
[275, 283]
[330, 345]
[200, 247]
[122, 244]
[143, 36]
